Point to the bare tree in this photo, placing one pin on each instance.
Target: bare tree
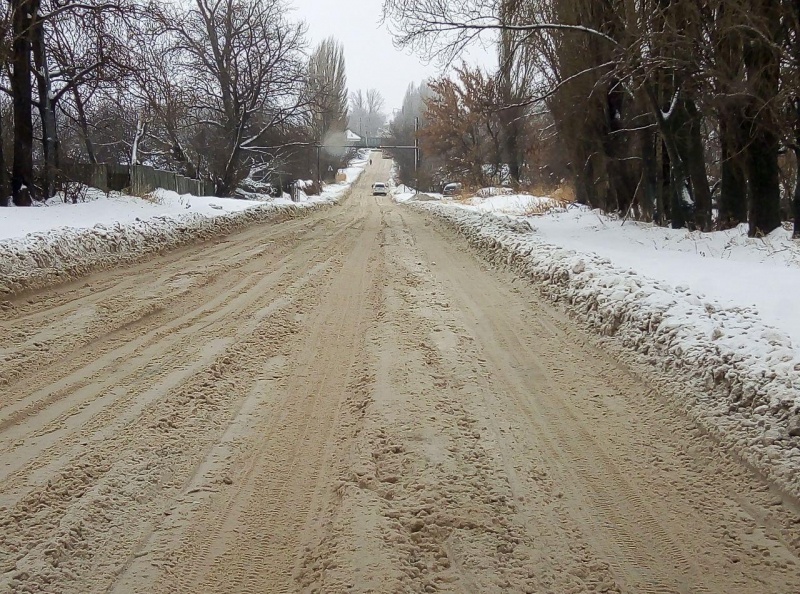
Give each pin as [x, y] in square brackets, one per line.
[762, 58]
[326, 93]
[645, 90]
[163, 101]
[367, 117]
[23, 20]
[244, 57]
[209, 88]
[403, 129]
[5, 54]
[326, 89]
[463, 126]
[34, 32]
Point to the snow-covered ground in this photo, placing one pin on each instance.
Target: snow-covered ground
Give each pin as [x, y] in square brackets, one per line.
[710, 313]
[58, 241]
[726, 266]
[356, 167]
[112, 209]
[736, 271]
[512, 204]
[402, 194]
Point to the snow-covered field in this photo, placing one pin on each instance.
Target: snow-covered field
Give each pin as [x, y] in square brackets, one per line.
[57, 241]
[711, 313]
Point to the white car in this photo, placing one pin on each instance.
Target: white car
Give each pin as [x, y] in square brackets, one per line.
[379, 189]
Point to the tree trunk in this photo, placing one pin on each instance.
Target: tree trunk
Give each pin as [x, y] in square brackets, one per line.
[46, 112]
[616, 143]
[681, 201]
[650, 177]
[22, 186]
[680, 197]
[141, 129]
[509, 117]
[733, 185]
[796, 108]
[511, 149]
[764, 178]
[763, 70]
[796, 197]
[664, 186]
[585, 190]
[696, 162]
[5, 190]
[87, 139]
[227, 184]
[671, 126]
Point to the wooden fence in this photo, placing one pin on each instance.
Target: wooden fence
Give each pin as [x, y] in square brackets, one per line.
[137, 180]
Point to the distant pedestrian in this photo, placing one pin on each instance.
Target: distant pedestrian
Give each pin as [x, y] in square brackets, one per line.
[370, 161]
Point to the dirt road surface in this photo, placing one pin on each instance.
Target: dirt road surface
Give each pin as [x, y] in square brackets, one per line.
[353, 402]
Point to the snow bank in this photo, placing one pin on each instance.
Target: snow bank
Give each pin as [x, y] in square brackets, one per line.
[49, 256]
[492, 200]
[728, 266]
[738, 271]
[108, 209]
[736, 375]
[403, 194]
[57, 242]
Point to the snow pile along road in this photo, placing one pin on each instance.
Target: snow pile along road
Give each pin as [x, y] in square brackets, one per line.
[43, 245]
[736, 376]
[727, 266]
[492, 200]
[46, 257]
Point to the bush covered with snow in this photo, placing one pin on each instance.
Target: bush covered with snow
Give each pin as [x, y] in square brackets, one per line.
[735, 375]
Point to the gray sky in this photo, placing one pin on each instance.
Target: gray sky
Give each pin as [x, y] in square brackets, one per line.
[371, 59]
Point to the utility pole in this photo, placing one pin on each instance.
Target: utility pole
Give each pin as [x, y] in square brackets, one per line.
[416, 154]
[319, 175]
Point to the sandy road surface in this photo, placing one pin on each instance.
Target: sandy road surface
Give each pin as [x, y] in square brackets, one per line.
[352, 402]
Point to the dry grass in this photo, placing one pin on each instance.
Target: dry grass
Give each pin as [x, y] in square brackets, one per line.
[151, 197]
[560, 198]
[535, 208]
[565, 194]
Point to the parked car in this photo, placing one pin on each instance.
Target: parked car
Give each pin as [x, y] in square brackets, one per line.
[379, 189]
[452, 189]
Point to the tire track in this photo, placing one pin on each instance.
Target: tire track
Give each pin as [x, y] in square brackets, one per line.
[47, 341]
[532, 373]
[68, 477]
[282, 472]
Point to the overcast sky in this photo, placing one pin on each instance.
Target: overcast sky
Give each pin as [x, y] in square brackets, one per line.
[371, 59]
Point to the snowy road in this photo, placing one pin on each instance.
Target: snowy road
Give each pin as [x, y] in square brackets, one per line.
[352, 401]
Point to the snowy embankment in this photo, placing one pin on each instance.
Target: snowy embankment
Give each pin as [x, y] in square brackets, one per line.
[734, 373]
[43, 245]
